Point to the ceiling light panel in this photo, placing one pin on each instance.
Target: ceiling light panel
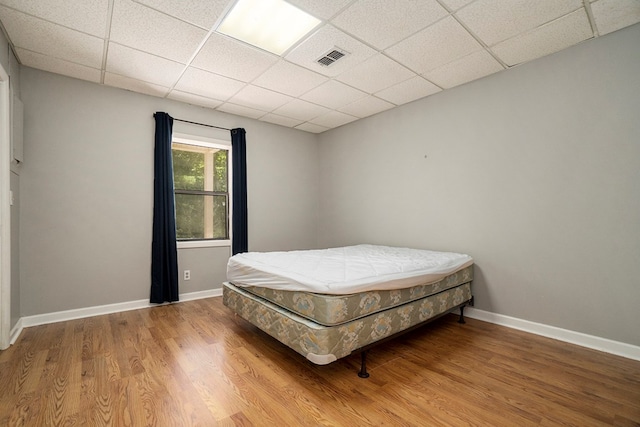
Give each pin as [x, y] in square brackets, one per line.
[272, 25]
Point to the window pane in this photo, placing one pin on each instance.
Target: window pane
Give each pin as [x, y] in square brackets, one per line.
[220, 170]
[220, 217]
[199, 168]
[201, 217]
[188, 169]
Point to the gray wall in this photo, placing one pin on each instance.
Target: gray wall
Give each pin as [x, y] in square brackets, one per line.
[86, 202]
[534, 171]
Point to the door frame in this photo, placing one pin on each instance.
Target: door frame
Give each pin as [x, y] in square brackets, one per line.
[5, 210]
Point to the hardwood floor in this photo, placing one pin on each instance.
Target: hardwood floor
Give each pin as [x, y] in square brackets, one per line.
[197, 364]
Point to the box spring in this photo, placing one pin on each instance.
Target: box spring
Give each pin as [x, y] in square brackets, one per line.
[331, 310]
[324, 344]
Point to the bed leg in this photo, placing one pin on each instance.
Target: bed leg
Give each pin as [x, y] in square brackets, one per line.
[461, 319]
[363, 367]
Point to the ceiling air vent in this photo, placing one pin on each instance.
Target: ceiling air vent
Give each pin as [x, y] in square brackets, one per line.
[331, 57]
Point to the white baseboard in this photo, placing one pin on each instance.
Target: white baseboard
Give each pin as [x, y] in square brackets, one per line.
[602, 344]
[61, 316]
[15, 331]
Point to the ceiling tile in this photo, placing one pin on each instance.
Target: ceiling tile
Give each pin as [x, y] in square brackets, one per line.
[280, 120]
[549, 38]
[333, 119]
[454, 5]
[382, 23]
[323, 41]
[145, 29]
[290, 79]
[241, 110]
[323, 9]
[59, 66]
[260, 98]
[333, 94]
[463, 70]
[434, 46]
[376, 73]
[225, 56]
[408, 91]
[612, 15]
[203, 13]
[143, 66]
[88, 16]
[299, 109]
[190, 98]
[134, 85]
[50, 39]
[496, 20]
[368, 106]
[207, 84]
[310, 127]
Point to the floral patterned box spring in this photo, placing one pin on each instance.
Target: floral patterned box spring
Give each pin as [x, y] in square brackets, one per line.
[330, 310]
[324, 344]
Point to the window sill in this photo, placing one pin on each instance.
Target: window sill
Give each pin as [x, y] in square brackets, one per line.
[189, 244]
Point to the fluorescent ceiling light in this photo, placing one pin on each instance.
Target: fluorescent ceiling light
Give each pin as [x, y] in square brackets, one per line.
[272, 25]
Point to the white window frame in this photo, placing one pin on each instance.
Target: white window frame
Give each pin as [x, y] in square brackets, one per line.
[203, 141]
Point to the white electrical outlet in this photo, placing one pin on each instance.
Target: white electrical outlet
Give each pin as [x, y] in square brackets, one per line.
[187, 275]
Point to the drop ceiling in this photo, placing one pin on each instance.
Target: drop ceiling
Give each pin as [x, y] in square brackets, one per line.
[397, 51]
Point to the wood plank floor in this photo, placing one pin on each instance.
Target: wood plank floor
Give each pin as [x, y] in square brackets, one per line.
[197, 364]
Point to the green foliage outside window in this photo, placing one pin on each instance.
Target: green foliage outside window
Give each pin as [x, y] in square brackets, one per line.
[201, 192]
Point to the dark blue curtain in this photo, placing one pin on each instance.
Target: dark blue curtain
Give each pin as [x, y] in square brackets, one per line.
[240, 238]
[164, 255]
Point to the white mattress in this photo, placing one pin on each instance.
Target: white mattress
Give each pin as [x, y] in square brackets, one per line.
[343, 270]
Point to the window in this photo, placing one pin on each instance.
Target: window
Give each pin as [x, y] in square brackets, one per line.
[201, 185]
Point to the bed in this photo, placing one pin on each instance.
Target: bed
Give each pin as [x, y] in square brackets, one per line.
[326, 304]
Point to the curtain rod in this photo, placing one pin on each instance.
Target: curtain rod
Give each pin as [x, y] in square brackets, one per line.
[201, 124]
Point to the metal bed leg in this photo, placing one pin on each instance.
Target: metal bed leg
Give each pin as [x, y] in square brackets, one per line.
[363, 367]
[461, 319]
